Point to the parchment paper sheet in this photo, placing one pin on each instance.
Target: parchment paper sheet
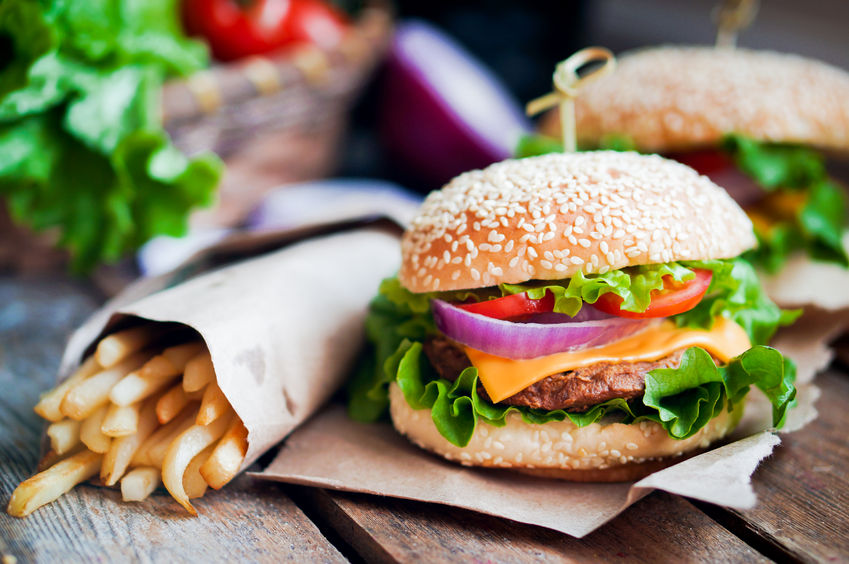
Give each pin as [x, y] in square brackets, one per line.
[282, 329]
[373, 458]
[804, 282]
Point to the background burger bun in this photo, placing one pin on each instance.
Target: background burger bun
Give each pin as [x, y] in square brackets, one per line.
[613, 452]
[553, 216]
[677, 98]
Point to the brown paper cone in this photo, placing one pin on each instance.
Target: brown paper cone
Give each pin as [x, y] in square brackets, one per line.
[282, 329]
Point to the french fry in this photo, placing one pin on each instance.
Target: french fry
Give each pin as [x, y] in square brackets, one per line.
[123, 449]
[180, 355]
[140, 483]
[51, 457]
[48, 485]
[48, 459]
[90, 433]
[171, 403]
[152, 451]
[213, 405]
[198, 373]
[157, 373]
[154, 375]
[193, 482]
[121, 420]
[64, 435]
[181, 452]
[114, 348]
[85, 397]
[48, 406]
[227, 457]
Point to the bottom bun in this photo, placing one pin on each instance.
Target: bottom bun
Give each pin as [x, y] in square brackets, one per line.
[612, 452]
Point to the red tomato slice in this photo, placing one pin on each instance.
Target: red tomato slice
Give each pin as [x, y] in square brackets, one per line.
[511, 307]
[673, 299]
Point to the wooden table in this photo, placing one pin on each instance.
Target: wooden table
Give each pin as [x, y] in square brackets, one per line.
[803, 489]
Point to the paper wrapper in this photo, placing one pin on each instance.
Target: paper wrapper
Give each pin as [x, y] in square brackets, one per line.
[282, 329]
[373, 458]
[803, 282]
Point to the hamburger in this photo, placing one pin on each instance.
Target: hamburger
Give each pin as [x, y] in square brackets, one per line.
[583, 316]
[761, 125]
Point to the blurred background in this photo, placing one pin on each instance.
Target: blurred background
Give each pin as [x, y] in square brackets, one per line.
[523, 41]
[117, 127]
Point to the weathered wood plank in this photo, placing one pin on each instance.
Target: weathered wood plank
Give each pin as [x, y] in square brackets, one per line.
[244, 521]
[803, 489]
[247, 521]
[659, 528]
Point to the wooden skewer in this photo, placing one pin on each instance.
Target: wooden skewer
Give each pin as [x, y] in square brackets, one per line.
[567, 82]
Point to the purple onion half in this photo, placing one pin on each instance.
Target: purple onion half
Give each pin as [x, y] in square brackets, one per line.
[530, 340]
[443, 112]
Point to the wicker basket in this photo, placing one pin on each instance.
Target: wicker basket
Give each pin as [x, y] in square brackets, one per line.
[272, 120]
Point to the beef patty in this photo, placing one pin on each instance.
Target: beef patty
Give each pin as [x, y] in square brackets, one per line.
[575, 390]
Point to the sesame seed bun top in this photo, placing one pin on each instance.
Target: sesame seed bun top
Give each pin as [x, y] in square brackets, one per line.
[673, 98]
[552, 216]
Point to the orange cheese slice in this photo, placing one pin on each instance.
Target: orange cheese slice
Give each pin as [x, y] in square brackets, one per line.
[504, 377]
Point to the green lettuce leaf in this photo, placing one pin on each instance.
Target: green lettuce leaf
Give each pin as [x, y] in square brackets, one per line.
[388, 324]
[687, 397]
[82, 148]
[634, 285]
[776, 246]
[822, 221]
[24, 38]
[819, 224]
[532, 145]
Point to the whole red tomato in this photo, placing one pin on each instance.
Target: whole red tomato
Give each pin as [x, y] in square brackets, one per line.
[314, 21]
[239, 28]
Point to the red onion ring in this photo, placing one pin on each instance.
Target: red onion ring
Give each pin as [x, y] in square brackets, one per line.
[508, 339]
